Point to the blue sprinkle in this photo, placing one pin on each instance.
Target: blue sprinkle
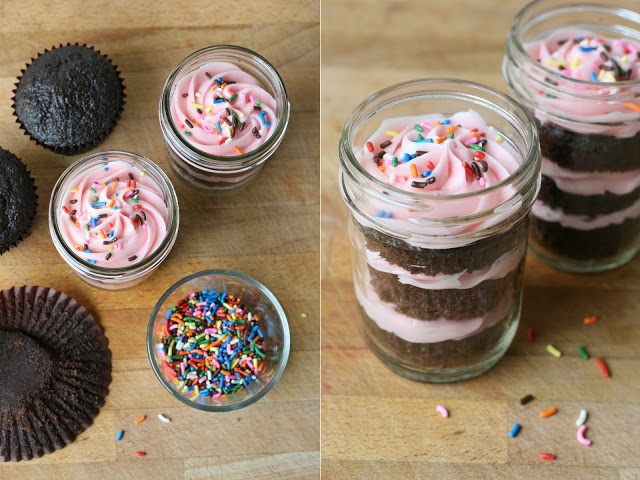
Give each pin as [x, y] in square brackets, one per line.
[594, 77]
[445, 122]
[262, 119]
[99, 204]
[587, 49]
[106, 169]
[120, 434]
[260, 333]
[514, 431]
[407, 158]
[388, 215]
[218, 100]
[413, 155]
[88, 251]
[426, 173]
[579, 38]
[112, 232]
[115, 208]
[379, 214]
[220, 80]
[268, 124]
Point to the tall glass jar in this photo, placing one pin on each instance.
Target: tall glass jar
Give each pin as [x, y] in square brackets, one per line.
[587, 217]
[62, 216]
[211, 174]
[439, 277]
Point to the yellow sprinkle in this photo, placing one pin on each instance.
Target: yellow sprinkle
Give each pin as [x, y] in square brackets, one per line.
[601, 75]
[499, 139]
[208, 109]
[228, 131]
[74, 190]
[555, 63]
[575, 63]
[624, 59]
[304, 315]
[554, 351]
[391, 133]
[611, 78]
[241, 115]
[142, 174]
[196, 105]
[111, 249]
[113, 186]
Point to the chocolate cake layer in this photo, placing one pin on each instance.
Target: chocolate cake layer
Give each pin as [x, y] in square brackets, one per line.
[452, 304]
[600, 243]
[448, 354]
[588, 205]
[586, 153]
[448, 260]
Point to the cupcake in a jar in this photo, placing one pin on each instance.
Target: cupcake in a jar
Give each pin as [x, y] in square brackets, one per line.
[439, 177]
[581, 81]
[223, 113]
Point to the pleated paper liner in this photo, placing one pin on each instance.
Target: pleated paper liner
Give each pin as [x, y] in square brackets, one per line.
[55, 370]
[18, 200]
[69, 131]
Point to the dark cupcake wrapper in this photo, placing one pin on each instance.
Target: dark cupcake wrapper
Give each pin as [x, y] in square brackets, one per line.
[48, 418]
[25, 233]
[75, 149]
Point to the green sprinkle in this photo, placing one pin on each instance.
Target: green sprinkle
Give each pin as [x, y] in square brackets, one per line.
[548, 95]
[258, 103]
[133, 200]
[92, 189]
[418, 127]
[583, 352]
[87, 225]
[258, 352]
[477, 147]
[95, 199]
[451, 135]
[419, 137]
[394, 161]
[116, 196]
[188, 134]
[235, 95]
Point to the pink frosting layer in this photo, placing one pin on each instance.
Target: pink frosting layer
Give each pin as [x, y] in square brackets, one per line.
[591, 183]
[591, 59]
[450, 165]
[131, 223]
[582, 222]
[461, 280]
[250, 115]
[413, 330]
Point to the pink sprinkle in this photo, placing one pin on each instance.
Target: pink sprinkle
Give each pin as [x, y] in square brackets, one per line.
[442, 411]
[173, 327]
[436, 193]
[566, 72]
[182, 369]
[215, 363]
[161, 354]
[202, 379]
[482, 181]
[216, 395]
[209, 331]
[426, 125]
[632, 49]
[192, 295]
[208, 130]
[470, 140]
[253, 100]
[255, 372]
[202, 115]
[144, 226]
[580, 436]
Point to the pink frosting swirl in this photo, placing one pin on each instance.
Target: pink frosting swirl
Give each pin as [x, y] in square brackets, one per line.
[443, 165]
[113, 215]
[583, 55]
[222, 110]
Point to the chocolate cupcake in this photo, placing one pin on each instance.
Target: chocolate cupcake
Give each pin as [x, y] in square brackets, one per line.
[55, 369]
[18, 200]
[69, 99]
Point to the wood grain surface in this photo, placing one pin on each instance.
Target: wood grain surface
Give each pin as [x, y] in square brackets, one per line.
[377, 425]
[269, 231]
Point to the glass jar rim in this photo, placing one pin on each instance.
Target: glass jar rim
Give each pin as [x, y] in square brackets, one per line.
[353, 165]
[217, 160]
[514, 38]
[137, 268]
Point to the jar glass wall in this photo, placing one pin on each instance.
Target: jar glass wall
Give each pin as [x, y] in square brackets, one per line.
[213, 173]
[571, 65]
[439, 277]
[99, 201]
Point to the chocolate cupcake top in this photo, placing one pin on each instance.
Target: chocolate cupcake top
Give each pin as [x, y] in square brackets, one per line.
[18, 200]
[69, 99]
[55, 370]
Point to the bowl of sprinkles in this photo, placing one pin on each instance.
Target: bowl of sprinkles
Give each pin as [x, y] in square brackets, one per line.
[218, 340]
[223, 112]
[113, 217]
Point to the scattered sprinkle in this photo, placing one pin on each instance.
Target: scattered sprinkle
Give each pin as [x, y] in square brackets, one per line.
[590, 320]
[526, 399]
[548, 413]
[120, 434]
[141, 419]
[583, 352]
[580, 436]
[163, 418]
[547, 456]
[442, 411]
[140, 454]
[603, 367]
[514, 431]
[531, 335]
[554, 351]
[581, 418]
[304, 315]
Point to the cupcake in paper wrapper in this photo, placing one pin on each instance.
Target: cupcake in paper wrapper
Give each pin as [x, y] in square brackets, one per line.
[69, 99]
[55, 370]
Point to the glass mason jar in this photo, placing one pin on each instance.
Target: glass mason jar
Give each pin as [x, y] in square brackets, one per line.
[439, 290]
[587, 216]
[221, 175]
[96, 274]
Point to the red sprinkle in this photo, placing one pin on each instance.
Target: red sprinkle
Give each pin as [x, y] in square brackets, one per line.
[531, 335]
[430, 165]
[478, 154]
[547, 456]
[603, 367]
[370, 146]
[64, 209]
[140, 454]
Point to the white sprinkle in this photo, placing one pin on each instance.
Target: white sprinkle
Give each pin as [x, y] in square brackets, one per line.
[581, 418]
[197, 95]
[163, 418]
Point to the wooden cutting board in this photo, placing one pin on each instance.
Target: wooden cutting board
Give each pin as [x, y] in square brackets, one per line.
[269, 231]
[377, 425]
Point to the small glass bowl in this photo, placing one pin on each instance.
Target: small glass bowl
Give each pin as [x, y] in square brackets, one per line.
[257, 300]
